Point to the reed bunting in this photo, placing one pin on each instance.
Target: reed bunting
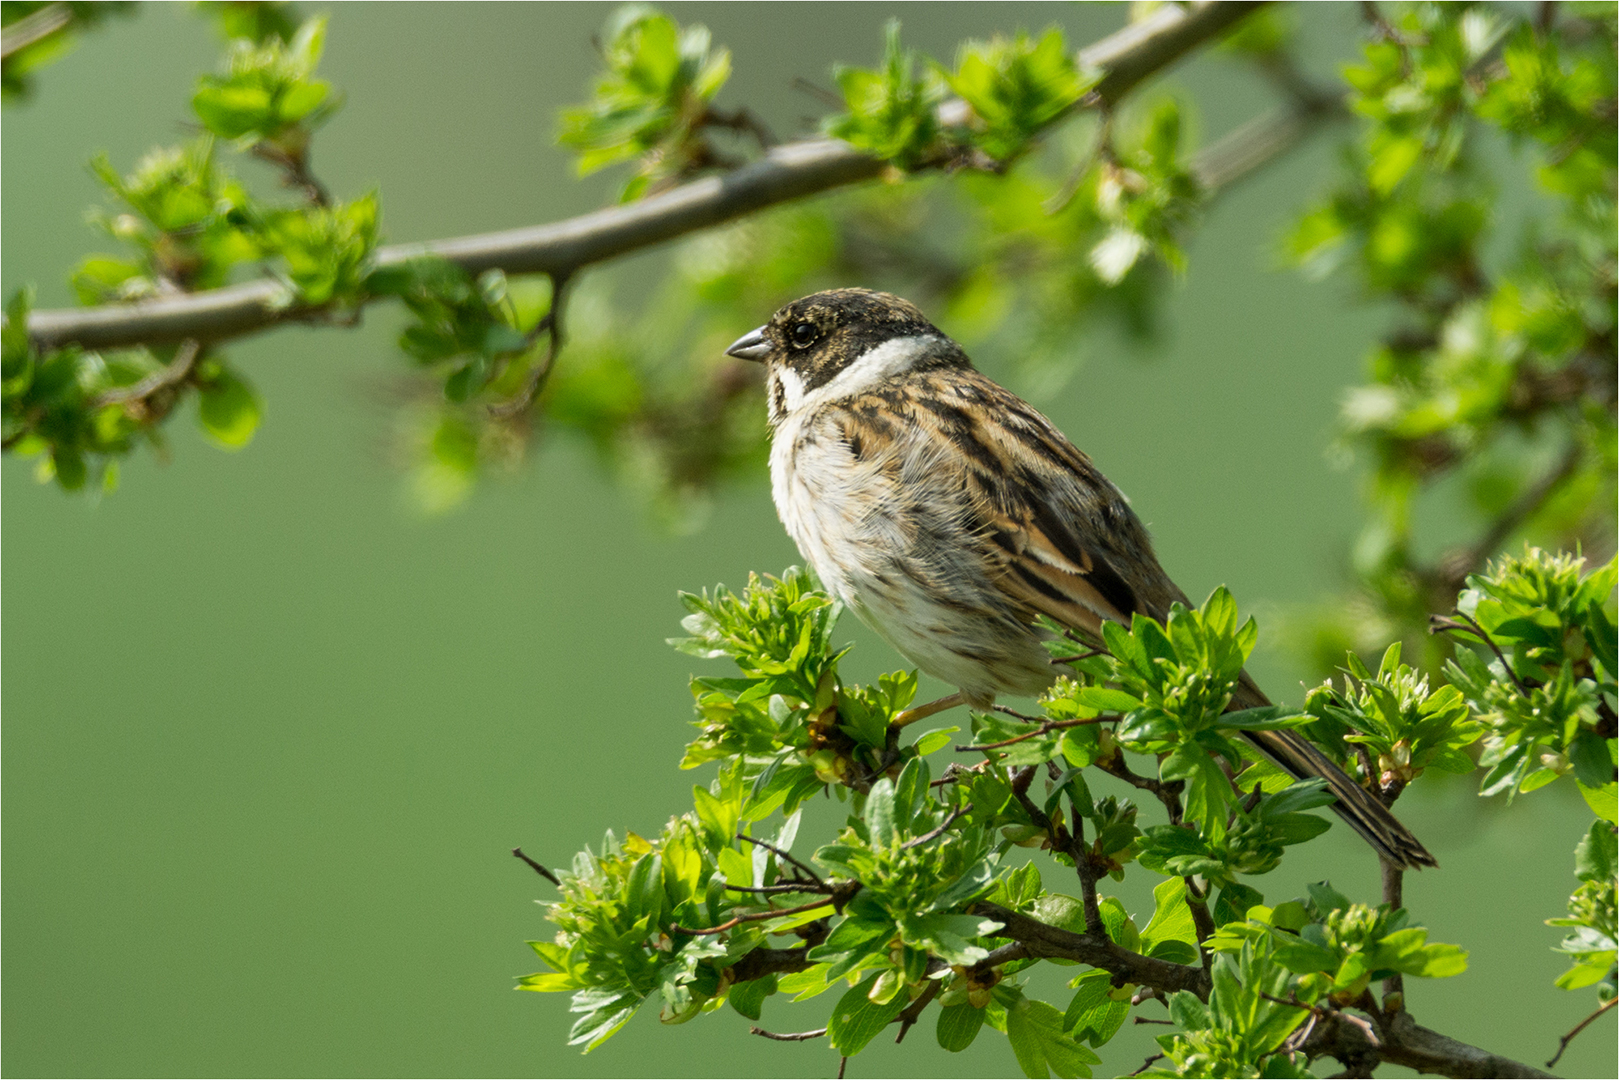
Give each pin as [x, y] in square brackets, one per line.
[950, 515]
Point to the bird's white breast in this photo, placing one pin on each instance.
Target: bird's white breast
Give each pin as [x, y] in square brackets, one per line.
[888, 534]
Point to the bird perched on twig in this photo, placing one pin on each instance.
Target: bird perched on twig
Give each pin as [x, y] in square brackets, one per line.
[951, 515]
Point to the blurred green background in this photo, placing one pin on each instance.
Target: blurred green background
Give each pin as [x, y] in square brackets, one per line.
[268, 734]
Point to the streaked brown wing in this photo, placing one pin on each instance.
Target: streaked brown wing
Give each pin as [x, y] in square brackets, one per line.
[1070, 547]
[1074, 551]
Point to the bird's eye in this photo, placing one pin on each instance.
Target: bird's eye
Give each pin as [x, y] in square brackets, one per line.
[802, 334]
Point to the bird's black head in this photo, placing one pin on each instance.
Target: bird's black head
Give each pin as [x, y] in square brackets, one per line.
[862, 335]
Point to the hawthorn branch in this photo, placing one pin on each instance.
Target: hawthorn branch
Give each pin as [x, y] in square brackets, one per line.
[785, 173]
[1400, 1040]
[756, 916]
[1392, 1037]
[1032, 937]
[33, 28]
[766, 961]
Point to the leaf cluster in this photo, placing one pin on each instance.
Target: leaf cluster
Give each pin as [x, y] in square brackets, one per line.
[1590, 945]
[892, 111]
[1017, 87]
[1546, 694]
[1182, 675]
[268, 98]
[187, 224]
[1338, 948]
[894, 908]
[1399, 724]
[652, 100]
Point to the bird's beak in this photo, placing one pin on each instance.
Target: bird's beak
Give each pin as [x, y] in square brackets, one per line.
[750, 346]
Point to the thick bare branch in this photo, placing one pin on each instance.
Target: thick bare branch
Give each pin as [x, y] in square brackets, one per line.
[1400, 1040]
[1042, 940]
[785, 173]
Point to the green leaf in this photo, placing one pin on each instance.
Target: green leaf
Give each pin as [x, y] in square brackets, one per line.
[229, 411]
[958, 1026]
[857, 1019]
[1171, 917]
[879, 815]
[1035, 1030]
[1604, 800]
[1597, 856]
[1234, 901]
[748, 998]
[934, 740]
[1095, 1015]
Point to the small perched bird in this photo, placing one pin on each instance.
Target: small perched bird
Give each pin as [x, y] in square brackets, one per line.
[950, 515]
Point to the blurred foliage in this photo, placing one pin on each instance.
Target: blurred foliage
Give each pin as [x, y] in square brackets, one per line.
[187, 223]
[1496, 383]
[652, 101]
[40, 32]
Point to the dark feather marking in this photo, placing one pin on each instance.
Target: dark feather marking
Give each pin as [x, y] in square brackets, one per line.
[1040, 585]
[1106, 580]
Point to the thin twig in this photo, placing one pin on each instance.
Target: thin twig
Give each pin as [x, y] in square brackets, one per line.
[826, 96]
[1562, 1044]
[1453, 568]
[797, 1036]
[934, 834]
[537, 868]
[914, 1010]
[756, 916]
[784, 855]
[1101, 150]
[1394, 896]
[173, 373]
[788, 887]
[1145, 1065]
[551, 325]
[743, 119]
[1470, 625]
[1044, 729]
[922, 712]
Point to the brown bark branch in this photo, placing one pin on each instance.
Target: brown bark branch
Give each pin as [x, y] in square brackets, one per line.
[35, 27]
[785, 173]
[1400, 1040]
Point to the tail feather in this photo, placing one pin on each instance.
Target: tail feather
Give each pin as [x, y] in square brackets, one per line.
[1362, 810]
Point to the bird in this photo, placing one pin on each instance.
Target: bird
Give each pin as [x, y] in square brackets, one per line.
[950, 515]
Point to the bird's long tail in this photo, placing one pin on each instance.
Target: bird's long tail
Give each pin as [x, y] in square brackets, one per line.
[1364, 812]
